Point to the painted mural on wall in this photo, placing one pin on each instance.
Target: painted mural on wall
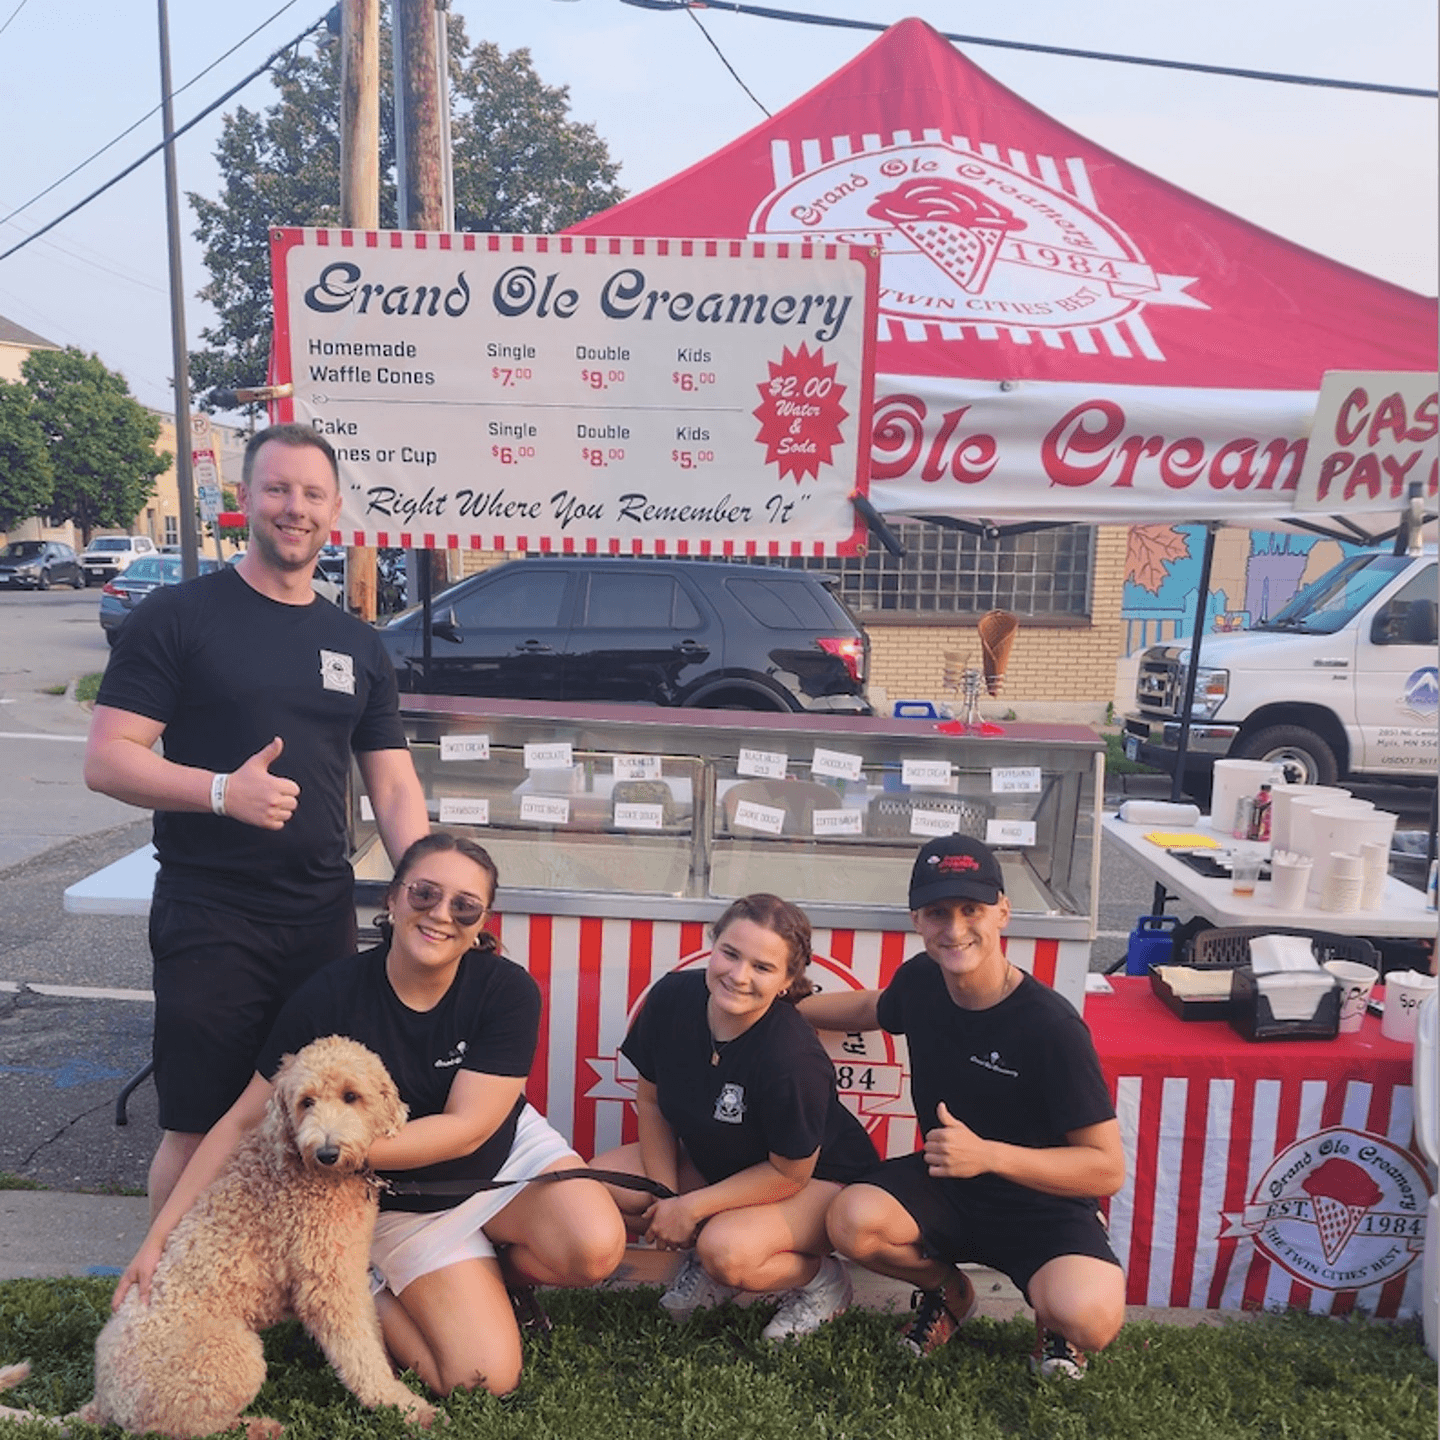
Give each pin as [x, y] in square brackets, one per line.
[1254, 573]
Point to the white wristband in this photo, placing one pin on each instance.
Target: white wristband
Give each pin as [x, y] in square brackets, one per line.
[218, 782]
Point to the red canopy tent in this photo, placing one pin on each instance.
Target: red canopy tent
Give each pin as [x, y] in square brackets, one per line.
[1062, 336]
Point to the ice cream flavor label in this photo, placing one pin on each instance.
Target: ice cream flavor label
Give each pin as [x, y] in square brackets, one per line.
[1338, 1210]
[968, 239]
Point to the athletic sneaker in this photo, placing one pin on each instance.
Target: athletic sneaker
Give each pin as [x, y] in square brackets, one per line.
[692, 1289]
[530, 1314]
[804, 1310]
[1054, 1355]
[935, 1320]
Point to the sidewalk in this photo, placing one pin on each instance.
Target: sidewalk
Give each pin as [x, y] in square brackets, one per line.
[46, 1233]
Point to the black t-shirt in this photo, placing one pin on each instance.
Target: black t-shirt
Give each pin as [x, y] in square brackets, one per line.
[226, 669]
[488, 1021]
[1023, 1072]
[772, 1092]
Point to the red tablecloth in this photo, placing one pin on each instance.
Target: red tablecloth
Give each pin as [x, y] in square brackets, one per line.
[1261, 1174]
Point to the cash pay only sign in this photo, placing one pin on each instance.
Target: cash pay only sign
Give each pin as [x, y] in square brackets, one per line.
[626, 396]
[1373, 437]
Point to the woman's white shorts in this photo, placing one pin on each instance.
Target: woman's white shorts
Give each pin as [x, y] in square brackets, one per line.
[407, 1246]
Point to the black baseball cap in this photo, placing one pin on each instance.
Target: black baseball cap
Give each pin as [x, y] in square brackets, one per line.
[955, 867]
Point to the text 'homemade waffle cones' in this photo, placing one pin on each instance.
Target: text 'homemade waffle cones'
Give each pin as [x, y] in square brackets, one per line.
[997, 634]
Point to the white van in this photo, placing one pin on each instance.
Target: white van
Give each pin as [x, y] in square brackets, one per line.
[1341, 683]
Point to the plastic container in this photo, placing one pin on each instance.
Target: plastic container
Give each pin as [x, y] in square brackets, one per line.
[1151, 943]
[1260, 817]
[1232, 780]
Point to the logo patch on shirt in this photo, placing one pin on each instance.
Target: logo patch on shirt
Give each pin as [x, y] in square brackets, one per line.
[992, 1062]
[455, 1057]
[337, 672]
[730, 1103]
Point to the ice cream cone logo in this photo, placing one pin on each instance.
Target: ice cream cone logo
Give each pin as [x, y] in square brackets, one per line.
[953, 224]
[1342, 1194]
[965, 238]
[1338, 1210]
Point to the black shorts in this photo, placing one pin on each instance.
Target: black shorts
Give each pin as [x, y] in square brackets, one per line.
[220, 980]
[1015, 1231]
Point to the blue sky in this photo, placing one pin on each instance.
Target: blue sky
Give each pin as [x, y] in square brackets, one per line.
[1350, 175]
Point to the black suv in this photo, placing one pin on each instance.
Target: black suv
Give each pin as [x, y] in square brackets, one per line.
[665, 632]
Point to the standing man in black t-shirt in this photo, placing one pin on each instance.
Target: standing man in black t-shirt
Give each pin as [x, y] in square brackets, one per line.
[1020, 1134]
[259, 693]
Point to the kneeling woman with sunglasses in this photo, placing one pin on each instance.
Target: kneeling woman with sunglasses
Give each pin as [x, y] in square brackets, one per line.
[456, 1025]
[739, 1113]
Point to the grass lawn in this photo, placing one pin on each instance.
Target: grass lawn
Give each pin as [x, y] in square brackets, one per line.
[617, 1367]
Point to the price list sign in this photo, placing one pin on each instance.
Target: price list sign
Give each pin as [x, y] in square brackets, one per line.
[583, 394]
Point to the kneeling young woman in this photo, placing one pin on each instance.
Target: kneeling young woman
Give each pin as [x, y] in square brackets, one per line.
[456, 1025]
[739, 1115]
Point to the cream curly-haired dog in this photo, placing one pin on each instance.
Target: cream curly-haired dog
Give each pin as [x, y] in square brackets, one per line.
[284, 1230]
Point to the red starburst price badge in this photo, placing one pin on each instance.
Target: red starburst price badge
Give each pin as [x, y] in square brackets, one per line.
[800, 413]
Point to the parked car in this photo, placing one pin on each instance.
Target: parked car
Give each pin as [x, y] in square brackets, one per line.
[663, 632]
[122, 594]
[389, 576]
[109, 555]
[320, 583]
[39, 564]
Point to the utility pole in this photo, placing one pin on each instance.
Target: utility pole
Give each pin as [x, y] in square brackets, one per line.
[184, 476]
[422, 128]
[360, 201]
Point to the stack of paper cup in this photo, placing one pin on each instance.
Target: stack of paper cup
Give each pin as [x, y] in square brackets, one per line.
[1282, 797]
[1290, 878]
[1234, 780]
[1405, 992]
[1342, 826]
[1375, 860]
[1344, 877]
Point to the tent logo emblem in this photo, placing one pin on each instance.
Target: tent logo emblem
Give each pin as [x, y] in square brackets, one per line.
[1338, 1210]
[968, 240]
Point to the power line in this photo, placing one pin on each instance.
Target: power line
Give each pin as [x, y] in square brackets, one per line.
[799, 17]
[12, 15]
[112, 143]
[710, 39]
[156, 149]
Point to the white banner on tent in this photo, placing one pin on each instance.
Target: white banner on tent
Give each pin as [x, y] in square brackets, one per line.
[582, 394]
[1030, 450]
[1374, 436]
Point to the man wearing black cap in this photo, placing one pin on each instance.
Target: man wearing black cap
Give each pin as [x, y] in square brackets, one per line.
[1020, 1134]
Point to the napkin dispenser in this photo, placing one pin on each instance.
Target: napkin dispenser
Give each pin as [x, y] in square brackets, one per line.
[1283, 994]
[1253, 1011]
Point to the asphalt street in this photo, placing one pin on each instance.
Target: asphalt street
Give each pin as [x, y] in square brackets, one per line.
[75, 1012]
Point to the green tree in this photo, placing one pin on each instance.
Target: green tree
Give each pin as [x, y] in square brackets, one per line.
[101, 439]
[520, 164]
[26, 477]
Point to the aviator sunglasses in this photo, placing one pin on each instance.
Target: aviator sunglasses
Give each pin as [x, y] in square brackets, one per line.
[465, 910]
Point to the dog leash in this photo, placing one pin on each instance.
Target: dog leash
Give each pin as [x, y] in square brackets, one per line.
[618, 1178]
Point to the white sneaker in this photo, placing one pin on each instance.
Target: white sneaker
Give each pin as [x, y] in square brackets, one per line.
[692, 1289]
[804, 1311]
